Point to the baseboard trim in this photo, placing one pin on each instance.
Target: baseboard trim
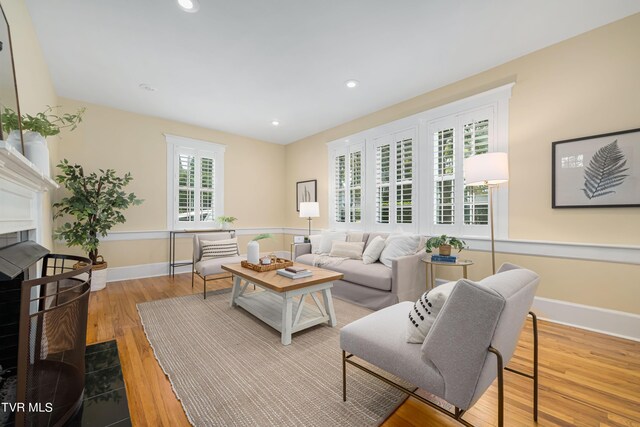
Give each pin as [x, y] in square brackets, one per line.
[610, 322]
[141, 271]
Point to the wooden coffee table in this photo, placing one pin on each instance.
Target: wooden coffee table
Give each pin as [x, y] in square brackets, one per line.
[276, 304]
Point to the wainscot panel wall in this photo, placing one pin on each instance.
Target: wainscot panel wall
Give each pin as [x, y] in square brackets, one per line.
[584, 86]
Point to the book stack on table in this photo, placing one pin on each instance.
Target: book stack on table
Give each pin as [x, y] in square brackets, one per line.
[442, 258]
[294, 272]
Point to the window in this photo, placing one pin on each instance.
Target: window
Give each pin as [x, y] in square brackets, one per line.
[348, 191]
[394, 187]
[408, 174]
[195, 171]
[457, 208]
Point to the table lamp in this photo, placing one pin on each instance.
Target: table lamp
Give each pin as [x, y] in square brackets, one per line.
[309, 210]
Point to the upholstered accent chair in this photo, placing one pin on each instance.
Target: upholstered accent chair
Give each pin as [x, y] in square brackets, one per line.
[210, 267]
[472, 339]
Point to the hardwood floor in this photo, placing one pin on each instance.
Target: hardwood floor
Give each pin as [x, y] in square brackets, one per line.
[586, 379]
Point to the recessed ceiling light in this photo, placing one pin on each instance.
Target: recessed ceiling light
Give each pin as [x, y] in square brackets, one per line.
[190, 6]
[275, 123]
[147, 87]
[351, 83]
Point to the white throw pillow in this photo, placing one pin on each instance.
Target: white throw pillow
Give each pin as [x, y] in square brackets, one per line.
[351, 250]
[424, 312]
[399, 245]
[373, 251]
[315, 240]
[328, 237]
[219, 248]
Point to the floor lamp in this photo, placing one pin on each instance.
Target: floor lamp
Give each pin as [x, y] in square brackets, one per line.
[490, 169]
[309, 210]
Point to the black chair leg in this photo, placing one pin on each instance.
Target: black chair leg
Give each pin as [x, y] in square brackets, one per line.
[500, 366]
[344, 376]
[534, 318]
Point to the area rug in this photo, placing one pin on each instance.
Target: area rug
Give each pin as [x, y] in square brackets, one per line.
[230, 369]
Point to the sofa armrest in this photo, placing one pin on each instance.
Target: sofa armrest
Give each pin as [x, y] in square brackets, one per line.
[301, 249]
[408, 277]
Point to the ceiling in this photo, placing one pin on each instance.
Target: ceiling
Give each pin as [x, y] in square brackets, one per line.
[237, 65]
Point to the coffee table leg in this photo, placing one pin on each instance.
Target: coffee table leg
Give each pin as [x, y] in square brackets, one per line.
[235, 291]
[328, 305]
[286, 320]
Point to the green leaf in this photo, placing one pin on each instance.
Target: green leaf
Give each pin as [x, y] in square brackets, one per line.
[605, 171]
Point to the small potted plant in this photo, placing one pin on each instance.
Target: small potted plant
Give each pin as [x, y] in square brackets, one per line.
[36, 129]
[444, 244]
[225, 221]
[96, 202]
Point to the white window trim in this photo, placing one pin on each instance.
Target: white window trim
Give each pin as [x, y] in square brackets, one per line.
[498, 98]
[211, 148]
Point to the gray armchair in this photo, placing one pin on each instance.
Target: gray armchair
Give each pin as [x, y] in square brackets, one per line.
[471, 341]
[210, 267]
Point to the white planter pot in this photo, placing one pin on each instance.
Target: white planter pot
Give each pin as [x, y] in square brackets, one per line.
[13, 140]
[253, 252]
[36, 150]
[98, 279]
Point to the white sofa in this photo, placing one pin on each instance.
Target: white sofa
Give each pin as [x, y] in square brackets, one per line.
[375, 285]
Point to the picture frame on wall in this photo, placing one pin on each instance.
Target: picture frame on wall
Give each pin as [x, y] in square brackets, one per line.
[599, 171]
[306, 191]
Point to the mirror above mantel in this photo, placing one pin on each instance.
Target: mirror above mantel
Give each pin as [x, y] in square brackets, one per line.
[8, 87]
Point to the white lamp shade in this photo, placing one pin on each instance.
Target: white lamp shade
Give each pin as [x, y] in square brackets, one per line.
[489, 168]
[309, 210]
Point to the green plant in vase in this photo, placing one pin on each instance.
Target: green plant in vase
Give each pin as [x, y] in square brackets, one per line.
[226, 221]
[96, 202]
[444, 244]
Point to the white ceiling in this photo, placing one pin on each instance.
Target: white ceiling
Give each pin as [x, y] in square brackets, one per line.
[236, 65]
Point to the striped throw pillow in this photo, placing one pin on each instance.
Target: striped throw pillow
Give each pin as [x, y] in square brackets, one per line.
[219, 248]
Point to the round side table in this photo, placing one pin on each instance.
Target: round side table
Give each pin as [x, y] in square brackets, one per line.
[431, 274]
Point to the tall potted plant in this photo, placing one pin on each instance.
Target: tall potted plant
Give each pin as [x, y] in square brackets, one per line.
[96, 202]
[36, 128]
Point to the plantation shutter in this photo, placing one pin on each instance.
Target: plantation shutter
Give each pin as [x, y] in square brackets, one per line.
[340, 187]
[476, 198]
[196, 187]
[355, 186]
[186, 187]
[444, 176]
[207, 190]
[404, 181]
[383, 165]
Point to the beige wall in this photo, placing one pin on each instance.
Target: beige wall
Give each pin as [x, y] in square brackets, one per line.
[35, 88]
[128, 142]
[583, 86]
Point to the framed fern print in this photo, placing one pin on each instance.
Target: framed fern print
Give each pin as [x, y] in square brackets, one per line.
[600, 171]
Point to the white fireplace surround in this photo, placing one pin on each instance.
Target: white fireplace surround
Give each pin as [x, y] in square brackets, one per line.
[21, 188]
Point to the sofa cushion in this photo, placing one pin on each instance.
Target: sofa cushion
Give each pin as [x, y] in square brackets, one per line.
[373, 236]
[374, 275]
[214, 265]
[399, 245]
[373, 251]
[315, 240]
[219, 248]
[306, 259]
[424, 312]
[328, 237]
[351, 250]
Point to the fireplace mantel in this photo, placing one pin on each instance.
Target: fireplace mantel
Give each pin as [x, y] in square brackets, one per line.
[16, 168]
[21, 183]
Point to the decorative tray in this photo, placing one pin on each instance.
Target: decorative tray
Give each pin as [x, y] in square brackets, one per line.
[278, 264]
